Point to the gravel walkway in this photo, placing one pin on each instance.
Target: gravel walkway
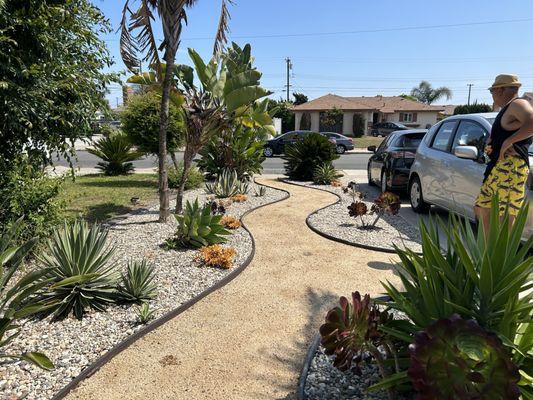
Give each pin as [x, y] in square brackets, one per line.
[335, 221]
[248, 339]
[73, 344]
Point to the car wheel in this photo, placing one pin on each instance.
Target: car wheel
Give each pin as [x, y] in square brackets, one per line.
[340, 149]
[370, 181]
[268, 152]
[416, 198]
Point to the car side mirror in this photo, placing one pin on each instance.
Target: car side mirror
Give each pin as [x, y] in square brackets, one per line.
[371, 148]
[466, 152]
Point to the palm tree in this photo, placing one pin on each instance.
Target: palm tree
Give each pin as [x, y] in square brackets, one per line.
[138, 43]
[426, 94]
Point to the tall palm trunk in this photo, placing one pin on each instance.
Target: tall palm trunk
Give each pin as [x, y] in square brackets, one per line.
[164, 200]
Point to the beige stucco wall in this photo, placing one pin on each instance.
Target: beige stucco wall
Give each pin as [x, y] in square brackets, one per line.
[423, 119]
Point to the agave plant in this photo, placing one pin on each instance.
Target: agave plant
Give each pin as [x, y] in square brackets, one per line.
[457, 359]
[483, 278]
[261, 192]
[144, 313]
[325, 174]
[17, 299]
[78, 258]
[117, 154]
[354, 329]
[137, 282]
[198, 227]
[227, 185]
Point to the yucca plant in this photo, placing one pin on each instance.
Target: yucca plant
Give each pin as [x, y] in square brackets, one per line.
[487, 279]
[198, 227]
[144, 313]
[325, 174]
[80, 269]
[137, 282]
[227, 184]
[261, 192]
[17, 299]
[117, 154]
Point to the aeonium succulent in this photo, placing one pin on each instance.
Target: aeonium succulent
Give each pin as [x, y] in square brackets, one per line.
[457, 359]
[357, 209]
[351, 330]
[387, 202]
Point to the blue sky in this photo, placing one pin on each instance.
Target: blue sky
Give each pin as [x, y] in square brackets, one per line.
[366, 63]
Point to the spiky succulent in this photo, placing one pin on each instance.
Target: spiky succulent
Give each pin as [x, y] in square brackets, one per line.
[198, 227]
[357, 209]
[352, 329]
[457, 359]
[227, 184]
[387, 202]
[325, 174]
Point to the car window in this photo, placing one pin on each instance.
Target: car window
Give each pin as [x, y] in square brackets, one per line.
[411, 141]
[443, 136]
[332, 136]
[469, 133]
[290, 136]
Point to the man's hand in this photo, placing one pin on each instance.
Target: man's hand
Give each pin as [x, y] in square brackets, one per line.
[506, 146]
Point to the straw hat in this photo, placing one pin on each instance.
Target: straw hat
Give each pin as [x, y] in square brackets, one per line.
[505, 80]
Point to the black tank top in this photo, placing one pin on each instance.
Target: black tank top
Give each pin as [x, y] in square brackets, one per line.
[498, 135]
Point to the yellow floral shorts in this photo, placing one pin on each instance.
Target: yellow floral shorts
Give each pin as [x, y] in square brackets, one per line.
[507, 180]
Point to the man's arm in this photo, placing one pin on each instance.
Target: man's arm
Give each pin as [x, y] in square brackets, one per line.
[522, 111]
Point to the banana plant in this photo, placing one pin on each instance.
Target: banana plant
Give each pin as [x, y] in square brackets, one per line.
[16, 299]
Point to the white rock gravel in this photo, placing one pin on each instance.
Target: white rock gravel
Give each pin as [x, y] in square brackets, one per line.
[72, 345]
[335, 221]
[324, 381]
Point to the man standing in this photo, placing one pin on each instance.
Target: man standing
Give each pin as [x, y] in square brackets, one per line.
[508, 169]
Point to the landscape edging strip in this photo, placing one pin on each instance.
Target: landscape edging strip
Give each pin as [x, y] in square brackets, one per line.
[123, 345]
[328, 236]
[301, 395]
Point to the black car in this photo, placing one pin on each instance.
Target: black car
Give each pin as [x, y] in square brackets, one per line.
[386, 128]
[390, 164]
[277, 145]
[343, 142]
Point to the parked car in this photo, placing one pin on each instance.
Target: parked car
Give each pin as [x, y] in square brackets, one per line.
[343, 143]
[391, 162]
[277, 145]
[386, 128]
[449, 166]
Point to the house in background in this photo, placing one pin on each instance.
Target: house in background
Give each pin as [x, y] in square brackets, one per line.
[364, 112]
[529, 97]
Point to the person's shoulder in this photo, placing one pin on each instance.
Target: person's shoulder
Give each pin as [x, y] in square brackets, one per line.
[520, 102]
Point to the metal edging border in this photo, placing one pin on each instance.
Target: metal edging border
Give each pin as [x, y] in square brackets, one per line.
[301, 395]
[121, 346]
[328, 236]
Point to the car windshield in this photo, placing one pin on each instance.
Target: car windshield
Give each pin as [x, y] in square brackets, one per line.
[400, 125]
[413, 141]
[530, 150]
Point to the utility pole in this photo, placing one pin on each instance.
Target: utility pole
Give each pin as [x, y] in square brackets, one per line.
[289, 67]
[469, 90]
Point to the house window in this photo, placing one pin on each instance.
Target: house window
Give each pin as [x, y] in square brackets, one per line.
[408, 117]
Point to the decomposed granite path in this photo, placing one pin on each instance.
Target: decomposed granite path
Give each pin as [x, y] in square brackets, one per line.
[248, 340]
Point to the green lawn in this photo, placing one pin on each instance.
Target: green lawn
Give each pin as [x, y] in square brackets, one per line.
[365, 141]
[99, 197]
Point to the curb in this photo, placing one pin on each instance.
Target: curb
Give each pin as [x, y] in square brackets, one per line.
[333, 238]
[121, 346]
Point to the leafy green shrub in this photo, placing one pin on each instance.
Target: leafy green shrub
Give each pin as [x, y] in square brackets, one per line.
[302, 158]
[325, 174]
[17, 299]
[359, 125]
[137, 282]
[198, 227]
[227, 185]
[117, 153]
[487, 279]
[195, 179]
[457, 359]
[140, 122]
[81, 275]
[241, 150]
[27, 191]
[472, 108]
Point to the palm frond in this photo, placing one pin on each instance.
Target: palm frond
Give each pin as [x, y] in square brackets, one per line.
[223, 27]
[142, 20]
[128, 44]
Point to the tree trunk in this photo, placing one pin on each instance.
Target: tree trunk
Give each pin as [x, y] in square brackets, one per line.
[164, 201]
[174, 160]
[188, 156]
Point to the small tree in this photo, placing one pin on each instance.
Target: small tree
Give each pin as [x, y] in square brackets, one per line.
[300, 98]
[472, 108]
[331, 120]
[426, 94]
[358, 125]
[140, 121]
[282, 109]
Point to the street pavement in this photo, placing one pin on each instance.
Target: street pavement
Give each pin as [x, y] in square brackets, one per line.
[274, 165]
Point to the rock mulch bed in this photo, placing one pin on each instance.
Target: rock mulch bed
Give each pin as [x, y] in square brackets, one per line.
[335, 221]
[72, 345]
[324, 381]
